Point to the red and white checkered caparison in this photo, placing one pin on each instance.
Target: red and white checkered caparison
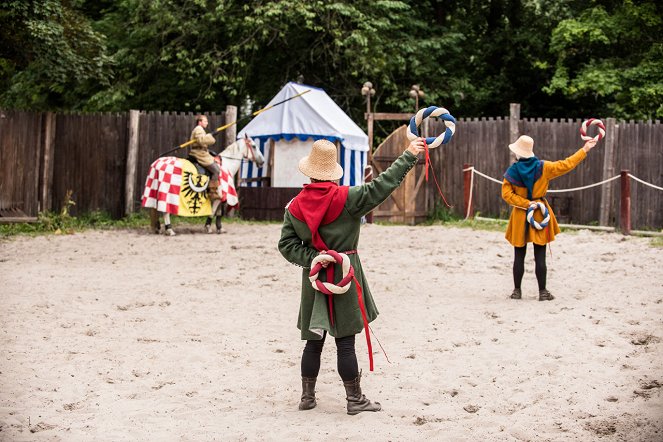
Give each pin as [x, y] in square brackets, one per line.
[164, 181]
[162, 186]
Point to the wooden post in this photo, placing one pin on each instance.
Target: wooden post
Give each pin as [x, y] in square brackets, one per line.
[132, 160]
[467, 187]
[625, 212]
[514, 119]
[368, 177]
[607, 197]
[47, 169]
[270, 164]
[231, 133]
[370, 137]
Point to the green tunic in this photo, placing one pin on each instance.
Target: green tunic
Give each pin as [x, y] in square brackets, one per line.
[341, 235]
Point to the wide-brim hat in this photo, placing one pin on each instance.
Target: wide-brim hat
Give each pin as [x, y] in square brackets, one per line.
[321, 163]
[523, 147]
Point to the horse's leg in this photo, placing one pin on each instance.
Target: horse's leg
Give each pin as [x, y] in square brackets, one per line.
[219, 215]
[208, 222]
[169, 229]
[154, 221]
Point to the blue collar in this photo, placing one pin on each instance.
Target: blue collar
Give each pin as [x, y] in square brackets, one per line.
[524, 173]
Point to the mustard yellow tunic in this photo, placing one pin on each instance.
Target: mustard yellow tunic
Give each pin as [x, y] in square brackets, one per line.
[199, 149]
[516, 233]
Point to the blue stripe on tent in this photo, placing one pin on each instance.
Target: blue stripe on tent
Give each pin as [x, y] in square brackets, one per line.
[353, 172]
[344, 178]
[249, 172]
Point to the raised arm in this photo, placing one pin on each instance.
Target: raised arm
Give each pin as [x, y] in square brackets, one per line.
[559, 168]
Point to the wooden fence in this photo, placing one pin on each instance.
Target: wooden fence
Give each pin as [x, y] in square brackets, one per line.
[102, 159]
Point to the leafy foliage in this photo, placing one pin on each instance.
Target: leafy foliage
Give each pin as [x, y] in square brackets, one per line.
[49, 55]
[610, 58]
[560, 58]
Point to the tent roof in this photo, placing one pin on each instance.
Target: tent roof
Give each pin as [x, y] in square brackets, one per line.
[314, 114]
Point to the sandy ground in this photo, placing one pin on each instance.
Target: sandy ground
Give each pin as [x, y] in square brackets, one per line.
[128, 336]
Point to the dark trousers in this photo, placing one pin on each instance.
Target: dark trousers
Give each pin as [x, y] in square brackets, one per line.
[539, 265]
[346, 358]
[215, 170]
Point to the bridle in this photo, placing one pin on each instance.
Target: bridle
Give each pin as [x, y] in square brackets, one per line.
[250, 154]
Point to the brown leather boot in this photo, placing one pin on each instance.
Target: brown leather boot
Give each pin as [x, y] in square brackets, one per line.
[357, 402]
[545, 295]
[213, 191]
[308, 394]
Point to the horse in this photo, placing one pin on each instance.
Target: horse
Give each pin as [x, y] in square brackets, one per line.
[179, 186]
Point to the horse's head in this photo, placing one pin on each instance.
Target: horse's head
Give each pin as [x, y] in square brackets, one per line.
[251, 152]
[244, 149]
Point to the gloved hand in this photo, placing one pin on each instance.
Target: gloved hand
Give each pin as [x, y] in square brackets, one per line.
[325, 264]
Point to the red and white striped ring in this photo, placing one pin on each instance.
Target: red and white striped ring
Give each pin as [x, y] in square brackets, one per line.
[592, 122]
[329, 288]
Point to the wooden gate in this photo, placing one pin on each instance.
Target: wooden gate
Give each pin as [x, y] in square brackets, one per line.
[409, 203]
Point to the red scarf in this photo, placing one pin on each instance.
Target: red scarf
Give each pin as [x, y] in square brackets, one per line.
[317, 205]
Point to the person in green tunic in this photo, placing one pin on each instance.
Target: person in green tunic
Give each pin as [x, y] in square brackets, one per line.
[325, 216]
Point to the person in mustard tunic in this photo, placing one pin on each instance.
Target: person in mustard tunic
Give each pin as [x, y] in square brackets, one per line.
[526, 183]
[325, 216]
[200, 151]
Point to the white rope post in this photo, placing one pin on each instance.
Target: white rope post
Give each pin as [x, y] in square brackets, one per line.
[468, 182]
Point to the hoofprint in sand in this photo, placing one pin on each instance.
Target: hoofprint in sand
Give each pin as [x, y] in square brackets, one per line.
[123, 335]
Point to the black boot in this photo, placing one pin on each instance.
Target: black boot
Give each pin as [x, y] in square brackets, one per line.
[357, 402]
[308, 394]
[516, 294]
[545, 295]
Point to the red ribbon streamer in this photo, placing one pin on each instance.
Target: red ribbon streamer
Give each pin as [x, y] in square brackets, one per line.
[430, 164]
[362, 307]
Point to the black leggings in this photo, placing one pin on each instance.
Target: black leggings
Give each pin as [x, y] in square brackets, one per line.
[540, 265]
[346, 359]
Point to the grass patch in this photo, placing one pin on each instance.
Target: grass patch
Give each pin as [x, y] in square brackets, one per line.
[442, 215]
[62, 223]
[656, 242]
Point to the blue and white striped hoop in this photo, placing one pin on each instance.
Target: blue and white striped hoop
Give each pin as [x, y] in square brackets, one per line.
[530, 215]
[437, 112]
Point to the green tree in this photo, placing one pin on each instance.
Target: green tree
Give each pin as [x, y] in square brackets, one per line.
[49, 55]
[609, 59]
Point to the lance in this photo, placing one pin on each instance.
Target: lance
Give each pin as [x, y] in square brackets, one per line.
[226, 126]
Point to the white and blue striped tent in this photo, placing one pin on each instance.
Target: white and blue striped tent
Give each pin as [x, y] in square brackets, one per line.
[293, 126]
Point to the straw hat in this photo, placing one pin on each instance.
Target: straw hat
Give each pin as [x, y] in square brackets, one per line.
[523, 147]
[321, 163]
